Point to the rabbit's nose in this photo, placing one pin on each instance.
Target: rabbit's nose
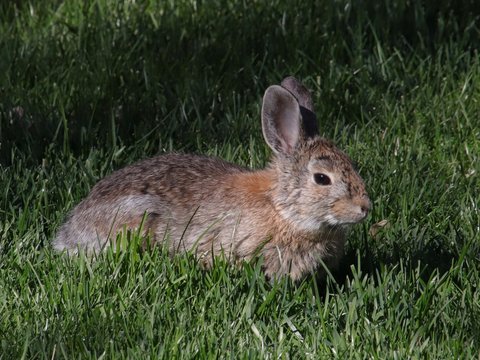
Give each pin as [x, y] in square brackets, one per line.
[365, 204]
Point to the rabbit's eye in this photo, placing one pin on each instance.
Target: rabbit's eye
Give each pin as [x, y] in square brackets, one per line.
[322, 179]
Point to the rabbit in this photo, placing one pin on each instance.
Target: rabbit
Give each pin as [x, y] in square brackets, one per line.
[294, 213]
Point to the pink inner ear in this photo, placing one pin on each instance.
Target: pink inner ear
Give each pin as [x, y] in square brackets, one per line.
[287, 123]
[289, 132]
[281, 119]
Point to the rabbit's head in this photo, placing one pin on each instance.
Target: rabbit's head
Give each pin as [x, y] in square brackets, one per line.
[316, 186]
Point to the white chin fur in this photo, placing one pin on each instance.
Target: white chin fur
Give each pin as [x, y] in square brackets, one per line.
[310, 224]
[331, 220]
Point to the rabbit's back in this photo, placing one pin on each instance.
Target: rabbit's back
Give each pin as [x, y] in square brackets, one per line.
[177, 176]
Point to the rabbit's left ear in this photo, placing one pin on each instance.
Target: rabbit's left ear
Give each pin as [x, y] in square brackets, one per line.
[304, 98]
[281, 119]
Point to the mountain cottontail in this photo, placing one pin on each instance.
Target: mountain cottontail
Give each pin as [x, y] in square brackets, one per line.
[294, 213]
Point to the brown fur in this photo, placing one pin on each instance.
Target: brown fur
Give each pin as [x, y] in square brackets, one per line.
[212, 207]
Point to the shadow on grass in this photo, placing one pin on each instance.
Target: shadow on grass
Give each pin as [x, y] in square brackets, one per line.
[73, 100]
[431, 259]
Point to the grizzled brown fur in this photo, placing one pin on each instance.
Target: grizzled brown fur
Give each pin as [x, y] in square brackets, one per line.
[213, 207]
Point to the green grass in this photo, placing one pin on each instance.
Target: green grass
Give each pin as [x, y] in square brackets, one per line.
[89, 86]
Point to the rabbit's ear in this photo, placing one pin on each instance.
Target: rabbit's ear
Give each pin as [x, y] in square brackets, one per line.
[281, 119]
[304, 99]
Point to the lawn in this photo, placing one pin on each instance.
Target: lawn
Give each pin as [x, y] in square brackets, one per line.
[87, 87]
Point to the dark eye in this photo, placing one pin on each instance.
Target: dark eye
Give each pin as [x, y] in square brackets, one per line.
[322, 179]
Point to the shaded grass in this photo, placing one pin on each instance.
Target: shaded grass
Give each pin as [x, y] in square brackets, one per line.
[88, 87]
[100, 72]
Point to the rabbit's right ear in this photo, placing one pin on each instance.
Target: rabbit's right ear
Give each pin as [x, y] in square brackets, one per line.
[281, 119]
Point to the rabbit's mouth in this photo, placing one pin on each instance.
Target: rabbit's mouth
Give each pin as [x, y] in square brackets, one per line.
[350, 211]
